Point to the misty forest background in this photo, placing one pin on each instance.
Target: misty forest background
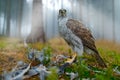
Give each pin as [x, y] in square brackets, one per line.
[35, 21]
[38, 19]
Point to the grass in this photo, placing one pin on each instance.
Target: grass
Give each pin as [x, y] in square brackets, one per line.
[110, 51]
[12, 50]
[53, 75]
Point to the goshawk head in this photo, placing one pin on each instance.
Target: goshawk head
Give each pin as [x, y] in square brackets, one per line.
[62, 13]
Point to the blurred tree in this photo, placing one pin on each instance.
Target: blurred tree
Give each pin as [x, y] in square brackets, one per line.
[7, 14]
[37, 32]
[20, 11]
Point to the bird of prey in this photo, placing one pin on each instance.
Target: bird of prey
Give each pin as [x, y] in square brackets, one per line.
[78, 37]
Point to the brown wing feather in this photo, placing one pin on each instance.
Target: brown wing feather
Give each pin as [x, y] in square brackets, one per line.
[87, 39]
[83, 33]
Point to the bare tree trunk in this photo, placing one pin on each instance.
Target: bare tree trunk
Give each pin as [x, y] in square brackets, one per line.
[19, 22]
[8, 8]
[5, 17]
[37, 32]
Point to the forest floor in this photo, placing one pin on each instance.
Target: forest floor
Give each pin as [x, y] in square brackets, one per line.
[13, 50]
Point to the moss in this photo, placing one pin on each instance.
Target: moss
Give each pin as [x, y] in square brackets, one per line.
[2, 44]
[53, 75]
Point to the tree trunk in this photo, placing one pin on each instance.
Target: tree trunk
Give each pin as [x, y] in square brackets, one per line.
[37, 32]
[8, 17]
[19, 16]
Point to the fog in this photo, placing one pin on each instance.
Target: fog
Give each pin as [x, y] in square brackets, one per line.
[27, 19]
[36, 20]
[100, 16]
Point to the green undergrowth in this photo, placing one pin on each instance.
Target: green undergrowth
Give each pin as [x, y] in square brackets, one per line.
[53, 75]
[111, 57]
[2, 44]
[85, 69]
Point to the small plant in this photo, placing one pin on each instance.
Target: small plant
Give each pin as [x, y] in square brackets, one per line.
[81, 68]
[53, 75]
[47, 55]
[107, 76]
